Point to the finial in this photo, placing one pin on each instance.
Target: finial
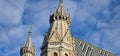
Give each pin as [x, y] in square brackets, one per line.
[30, 31]
[60, 7]
[67, 10]
[50, 13]
[61, 1]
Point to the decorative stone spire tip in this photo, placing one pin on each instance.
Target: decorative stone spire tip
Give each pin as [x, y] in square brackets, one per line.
[60, 8]
[61, 1]
[29, 41]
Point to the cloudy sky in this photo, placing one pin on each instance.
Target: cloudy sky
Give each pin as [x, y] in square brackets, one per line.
[94, 21]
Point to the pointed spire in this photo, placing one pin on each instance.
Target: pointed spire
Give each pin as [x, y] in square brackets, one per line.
[29, 41]
[61, 1]
[60, 8]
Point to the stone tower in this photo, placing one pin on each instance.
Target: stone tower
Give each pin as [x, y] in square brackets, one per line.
[28, 49]
[58, 40]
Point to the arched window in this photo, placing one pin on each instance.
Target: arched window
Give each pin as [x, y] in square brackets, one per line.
[55, 54]
[66, 18]
[66, 55]
[60, 17]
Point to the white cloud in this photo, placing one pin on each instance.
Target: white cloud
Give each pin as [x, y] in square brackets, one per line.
[18, 32]
[11, 12]
[3, 36]
[93, 6]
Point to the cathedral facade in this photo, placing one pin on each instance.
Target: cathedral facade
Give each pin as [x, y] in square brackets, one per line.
[58, 41]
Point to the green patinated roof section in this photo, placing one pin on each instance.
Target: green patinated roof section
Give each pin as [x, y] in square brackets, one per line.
[83, 48]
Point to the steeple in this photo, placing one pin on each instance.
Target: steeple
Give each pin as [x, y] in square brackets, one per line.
[29, 42]
[60, 8]
[58, 40]
[28, 49]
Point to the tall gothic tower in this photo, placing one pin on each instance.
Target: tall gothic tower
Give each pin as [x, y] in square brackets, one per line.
[28, 49]
[58, 40]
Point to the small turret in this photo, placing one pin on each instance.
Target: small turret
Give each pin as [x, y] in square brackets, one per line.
[28, 49]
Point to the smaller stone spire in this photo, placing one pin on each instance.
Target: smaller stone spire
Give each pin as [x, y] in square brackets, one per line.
[29, 41]
[28, 49]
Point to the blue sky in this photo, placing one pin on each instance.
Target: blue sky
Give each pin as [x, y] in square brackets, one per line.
[94, 21]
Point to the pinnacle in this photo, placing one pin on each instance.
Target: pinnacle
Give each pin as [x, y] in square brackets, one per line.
[60, 8]
[29, 41]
